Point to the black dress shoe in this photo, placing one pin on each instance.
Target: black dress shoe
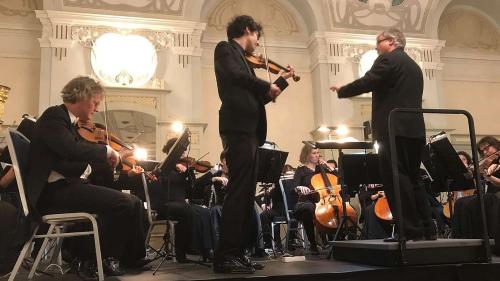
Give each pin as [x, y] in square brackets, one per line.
[112, 267]
[314, 250]
[87, 270]
[395, 238]
[140, 264]
[246, 261]
[232, 266]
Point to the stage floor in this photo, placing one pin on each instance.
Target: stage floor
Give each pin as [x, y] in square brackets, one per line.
[314, 268]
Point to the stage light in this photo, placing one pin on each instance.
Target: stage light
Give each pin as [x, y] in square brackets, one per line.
[324, 129]
[177, 126]
[376, 146]
[341, 130]
[140, 154]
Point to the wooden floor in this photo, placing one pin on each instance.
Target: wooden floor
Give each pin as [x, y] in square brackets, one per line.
[313, 268]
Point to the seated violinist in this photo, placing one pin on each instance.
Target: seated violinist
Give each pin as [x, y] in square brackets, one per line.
[59, 162]
[193, 229]
[466, 221]
[307, 198]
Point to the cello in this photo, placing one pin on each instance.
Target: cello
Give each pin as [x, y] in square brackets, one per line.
[329, 209]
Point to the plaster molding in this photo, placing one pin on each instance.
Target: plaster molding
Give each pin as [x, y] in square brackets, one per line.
[338, 49]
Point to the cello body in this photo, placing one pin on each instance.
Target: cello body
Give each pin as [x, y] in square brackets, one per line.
[329, 209]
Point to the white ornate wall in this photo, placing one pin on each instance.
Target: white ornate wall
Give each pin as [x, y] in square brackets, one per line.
[321, 39]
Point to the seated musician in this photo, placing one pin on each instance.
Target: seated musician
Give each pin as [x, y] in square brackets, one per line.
[172, 202]
[466, 221]
[373, 226]
[58, 161]
[307, 199]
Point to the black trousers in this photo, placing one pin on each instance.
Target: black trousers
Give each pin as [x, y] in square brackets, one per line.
[417, 219]
[182, 212]
[375, 228]
[238, 209]
[120, 215]
[304, 212]
[266, 218]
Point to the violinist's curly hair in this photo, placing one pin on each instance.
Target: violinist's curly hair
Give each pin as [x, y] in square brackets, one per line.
[168, 145]
[81, 88]
[237, 26]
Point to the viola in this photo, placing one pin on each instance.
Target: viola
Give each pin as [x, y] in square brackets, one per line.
[198, 165]
[258, 61]
[329, 208]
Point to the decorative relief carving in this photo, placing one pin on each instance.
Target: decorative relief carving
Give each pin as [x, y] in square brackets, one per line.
[270, 13]
[86, 35]
[151, 102]
[464, 28]
[407, 15]
[19, 8]
[164, 7]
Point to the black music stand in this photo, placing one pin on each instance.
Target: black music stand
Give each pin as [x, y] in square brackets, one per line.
[270, 167]
[175, 153]
[167, 165]
[445, 167]
[270, 164]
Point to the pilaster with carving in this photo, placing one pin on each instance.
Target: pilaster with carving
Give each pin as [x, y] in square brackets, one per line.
[338, 54]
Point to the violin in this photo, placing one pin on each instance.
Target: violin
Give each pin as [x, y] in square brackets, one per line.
[258, 61]
[96, 133]
[198, 165]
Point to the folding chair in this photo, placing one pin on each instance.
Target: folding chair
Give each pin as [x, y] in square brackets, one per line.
[18, 146]
[289, 200]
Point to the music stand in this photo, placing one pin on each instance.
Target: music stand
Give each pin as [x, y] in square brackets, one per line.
[168, 164]
[355, 169]
[175, 153]
[270, 167]
[445, 167]
[270, 164]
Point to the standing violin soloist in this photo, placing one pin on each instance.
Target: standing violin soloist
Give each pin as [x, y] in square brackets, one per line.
[242, 127]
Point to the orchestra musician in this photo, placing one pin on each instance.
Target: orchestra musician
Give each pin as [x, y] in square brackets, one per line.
[242, 127]
[373, 227]
[466, 220]
[396, 81]
[58, 160]
[172, 202]
[306, 204]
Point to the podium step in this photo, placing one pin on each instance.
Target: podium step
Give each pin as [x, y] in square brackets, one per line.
[441, 251]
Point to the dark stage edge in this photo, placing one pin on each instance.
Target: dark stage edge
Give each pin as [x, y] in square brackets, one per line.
[314, 268]
[442, 251]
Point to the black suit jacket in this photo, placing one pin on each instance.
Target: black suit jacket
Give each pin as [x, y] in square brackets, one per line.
[395, 81]
[242, 94]
[55, 145]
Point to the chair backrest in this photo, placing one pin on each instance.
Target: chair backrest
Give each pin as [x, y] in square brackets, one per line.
[19, 146]
[287, 187]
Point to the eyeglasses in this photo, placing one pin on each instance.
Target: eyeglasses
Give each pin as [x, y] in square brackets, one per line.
[484, 148]
[382, 40]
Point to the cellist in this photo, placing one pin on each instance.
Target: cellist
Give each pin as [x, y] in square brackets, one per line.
[307, 198]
